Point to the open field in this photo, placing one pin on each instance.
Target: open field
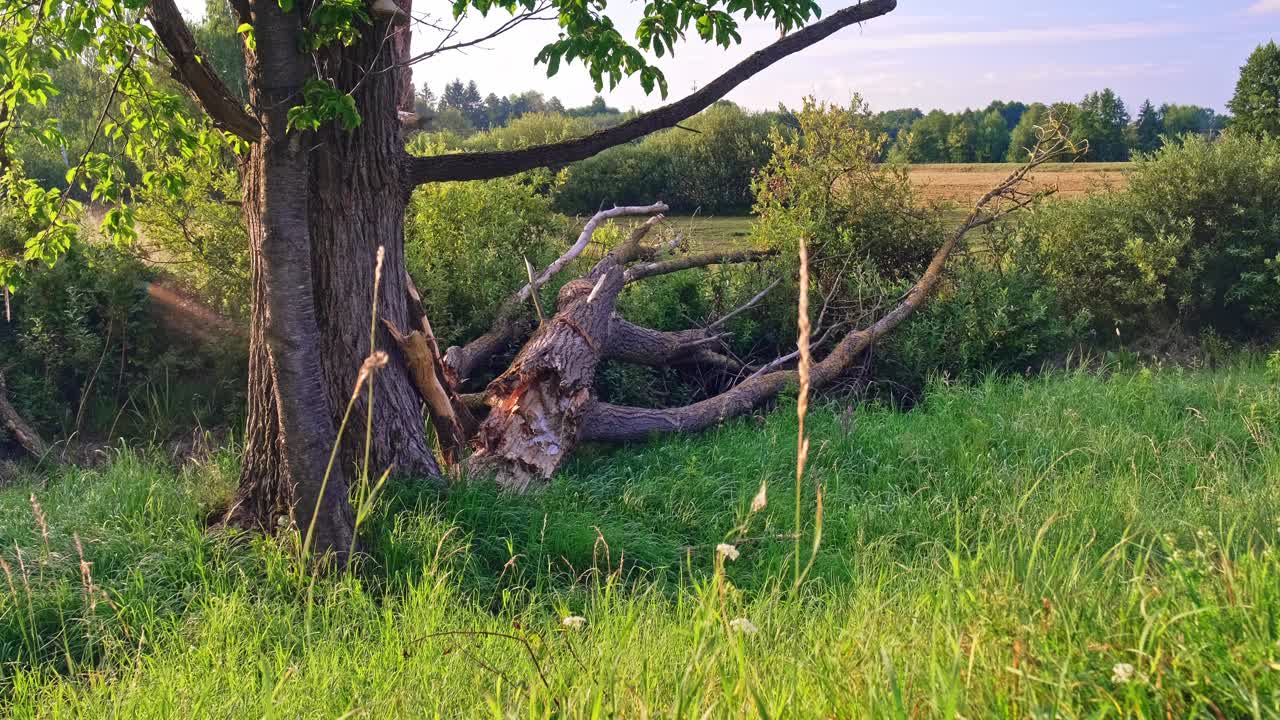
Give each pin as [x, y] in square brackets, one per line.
[964, 184]
[1073, 545]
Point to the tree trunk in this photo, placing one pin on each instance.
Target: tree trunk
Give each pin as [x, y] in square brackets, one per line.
[345, 198]
[358, 198]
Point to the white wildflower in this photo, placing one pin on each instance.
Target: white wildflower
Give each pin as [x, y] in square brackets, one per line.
[744, 626]
[574, 622]
[1122, 673]
[727, 551]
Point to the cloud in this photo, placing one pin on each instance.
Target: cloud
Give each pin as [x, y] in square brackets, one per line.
[1023, 36]
[1262, 7]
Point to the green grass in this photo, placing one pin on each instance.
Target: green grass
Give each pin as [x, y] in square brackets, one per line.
[997, 552]
[708, 233]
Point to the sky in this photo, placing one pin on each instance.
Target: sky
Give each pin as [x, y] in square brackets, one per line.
[927, 53]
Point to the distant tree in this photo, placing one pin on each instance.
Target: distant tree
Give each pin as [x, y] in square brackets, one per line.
[1011, 112]
[991, 142]
[473, 106]
[454, 96]
[426, 96]
[1101, 122]
[960, 141]
[1256, 104]
[527, 102]
[597, 107]
[1148, 129]
[1179, 120]
[554, 105]
[424, 101]
[926, 142]
[1023, 136]
[894, 122]
[497, 111]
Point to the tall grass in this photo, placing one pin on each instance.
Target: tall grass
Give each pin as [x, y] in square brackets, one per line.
[1072, 545]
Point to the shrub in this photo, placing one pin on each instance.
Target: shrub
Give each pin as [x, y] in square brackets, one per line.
[865, 230]
[1102, 260]
[706, 165]
[530, 129]
[1223, 198]
[1194, 241]
[66, 321]
[465, 244]
[996, 313]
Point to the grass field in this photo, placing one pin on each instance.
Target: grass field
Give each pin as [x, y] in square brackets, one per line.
[964, 184]
[1067, 546]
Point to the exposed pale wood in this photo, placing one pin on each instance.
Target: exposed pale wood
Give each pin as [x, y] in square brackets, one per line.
[511, 323]
[416, 350]
[18, 428]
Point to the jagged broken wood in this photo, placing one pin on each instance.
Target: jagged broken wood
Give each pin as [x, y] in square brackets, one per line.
[18, 428]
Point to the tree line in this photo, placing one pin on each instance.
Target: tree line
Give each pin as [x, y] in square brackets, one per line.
[1100, 125]
[461, 109]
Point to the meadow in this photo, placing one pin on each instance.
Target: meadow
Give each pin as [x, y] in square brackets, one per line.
[963, 183]
[1097, 543]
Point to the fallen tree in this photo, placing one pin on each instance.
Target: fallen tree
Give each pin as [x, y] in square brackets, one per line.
[17, 428]
[543, 405]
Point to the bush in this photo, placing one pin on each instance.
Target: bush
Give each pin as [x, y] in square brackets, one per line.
[465, 244]
[528, 130]
[66, 320]
[1194, 241]
[1223, 199]
[865, 230]
[1101, 259]
[994, 314]
[706, 167]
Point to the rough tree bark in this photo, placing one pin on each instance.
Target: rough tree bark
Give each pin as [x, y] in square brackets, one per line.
[288, 434]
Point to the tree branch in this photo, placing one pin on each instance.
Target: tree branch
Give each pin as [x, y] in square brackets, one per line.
[485, 165]
[615, 423]
[224, 109]
[663, 267]
[508, 326]
[640, 345]
[18, 428]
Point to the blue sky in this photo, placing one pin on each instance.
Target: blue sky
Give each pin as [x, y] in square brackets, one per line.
[927, 53]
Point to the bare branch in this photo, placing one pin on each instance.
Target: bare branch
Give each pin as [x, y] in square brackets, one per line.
[484, 165]
[584, 239]
[663, 267]
[509, 325]
[537, 13]
[602, 421]
[744, 307]
[223, 108]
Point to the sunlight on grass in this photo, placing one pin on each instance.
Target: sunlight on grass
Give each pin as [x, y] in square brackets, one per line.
[1085, 545]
